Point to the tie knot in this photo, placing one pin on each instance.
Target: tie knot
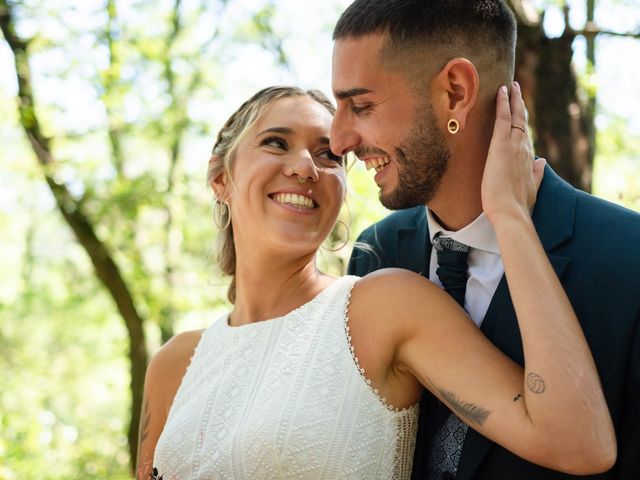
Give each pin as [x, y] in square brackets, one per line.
[452, 266]
[446, 244]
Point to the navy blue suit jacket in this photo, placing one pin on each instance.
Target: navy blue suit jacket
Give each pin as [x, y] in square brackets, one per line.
[593, 246]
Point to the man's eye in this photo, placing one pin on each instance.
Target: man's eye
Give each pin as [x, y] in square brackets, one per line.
[275, 142]
[358, 109]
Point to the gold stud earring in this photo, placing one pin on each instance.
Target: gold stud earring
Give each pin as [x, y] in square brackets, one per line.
[453, 126]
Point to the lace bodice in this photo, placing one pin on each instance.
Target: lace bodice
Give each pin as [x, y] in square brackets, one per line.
[284, 398]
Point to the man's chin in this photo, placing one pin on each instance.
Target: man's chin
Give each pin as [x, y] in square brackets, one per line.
[395, 200]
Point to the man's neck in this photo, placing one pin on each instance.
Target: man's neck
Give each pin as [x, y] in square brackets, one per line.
[457, 203]
[458, 200]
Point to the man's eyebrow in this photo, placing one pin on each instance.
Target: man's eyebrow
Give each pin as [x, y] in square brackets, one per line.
[282, 130]
[323, 140]
[352, 92]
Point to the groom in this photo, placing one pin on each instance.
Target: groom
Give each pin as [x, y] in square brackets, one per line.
[415, 83]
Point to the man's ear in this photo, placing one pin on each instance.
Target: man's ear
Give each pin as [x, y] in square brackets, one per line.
[219, 184]
[457, 86]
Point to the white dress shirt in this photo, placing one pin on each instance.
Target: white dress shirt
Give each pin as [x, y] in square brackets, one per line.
[485, 263]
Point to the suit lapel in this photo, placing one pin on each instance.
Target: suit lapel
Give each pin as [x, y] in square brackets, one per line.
[553, 218]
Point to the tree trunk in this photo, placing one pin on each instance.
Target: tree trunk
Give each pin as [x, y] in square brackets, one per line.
[562, 128]
[104, 265]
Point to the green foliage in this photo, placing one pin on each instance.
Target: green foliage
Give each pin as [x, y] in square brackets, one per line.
[131, 104]
[62, 408]
[617, 168]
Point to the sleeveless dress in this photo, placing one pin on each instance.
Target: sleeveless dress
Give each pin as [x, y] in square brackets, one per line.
[284, 398]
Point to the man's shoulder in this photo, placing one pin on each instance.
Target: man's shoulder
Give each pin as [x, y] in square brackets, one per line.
[605, 214]
[568, 218]
[410, 218]
[606, 226]
[395, 241]
[601, 241]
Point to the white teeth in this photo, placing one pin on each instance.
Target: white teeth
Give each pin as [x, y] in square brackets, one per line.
[299, 201]
[376, 162]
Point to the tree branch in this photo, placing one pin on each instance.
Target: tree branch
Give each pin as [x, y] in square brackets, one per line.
[592, 30]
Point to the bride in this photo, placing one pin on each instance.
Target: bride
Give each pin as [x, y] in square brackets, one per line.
[313, 377]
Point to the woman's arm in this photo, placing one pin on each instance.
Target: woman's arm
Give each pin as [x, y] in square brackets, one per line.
[553, 412]
[163, 378]
[561, 380]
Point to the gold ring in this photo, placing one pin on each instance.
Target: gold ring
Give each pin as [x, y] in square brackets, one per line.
[519, 127]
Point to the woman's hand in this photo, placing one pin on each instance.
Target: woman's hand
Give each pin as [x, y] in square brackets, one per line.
[511, 176]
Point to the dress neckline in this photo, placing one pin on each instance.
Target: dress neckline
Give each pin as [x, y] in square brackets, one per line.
[307, 304]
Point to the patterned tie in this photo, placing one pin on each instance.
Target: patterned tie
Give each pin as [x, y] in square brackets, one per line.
[446, 447]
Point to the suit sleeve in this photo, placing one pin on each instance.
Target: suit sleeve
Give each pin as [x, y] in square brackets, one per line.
[629, 437]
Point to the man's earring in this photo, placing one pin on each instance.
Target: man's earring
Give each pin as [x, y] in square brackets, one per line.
[453, 126]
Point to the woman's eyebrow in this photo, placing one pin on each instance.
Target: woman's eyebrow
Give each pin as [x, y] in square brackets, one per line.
[282, 130]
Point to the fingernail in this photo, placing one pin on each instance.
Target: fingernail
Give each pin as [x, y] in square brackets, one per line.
[503, 89]
[516, 84]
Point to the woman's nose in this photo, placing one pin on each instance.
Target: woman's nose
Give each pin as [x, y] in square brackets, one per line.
[304, 167]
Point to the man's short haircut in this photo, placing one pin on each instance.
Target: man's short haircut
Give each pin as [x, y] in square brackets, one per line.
[452, 27]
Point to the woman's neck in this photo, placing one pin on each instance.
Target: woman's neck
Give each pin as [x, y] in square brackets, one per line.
[274, 289]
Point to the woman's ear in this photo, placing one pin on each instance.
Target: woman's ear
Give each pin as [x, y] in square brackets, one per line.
[458, 84]
[219, 184]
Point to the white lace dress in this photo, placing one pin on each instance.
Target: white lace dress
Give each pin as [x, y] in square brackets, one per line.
[284, 398]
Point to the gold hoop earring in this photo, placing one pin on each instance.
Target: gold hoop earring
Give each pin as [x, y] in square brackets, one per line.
[453, 126]
[222, 209]
[344, 243]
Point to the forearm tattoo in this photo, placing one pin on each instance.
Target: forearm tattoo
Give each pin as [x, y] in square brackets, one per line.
[465, 410]
[535, 383]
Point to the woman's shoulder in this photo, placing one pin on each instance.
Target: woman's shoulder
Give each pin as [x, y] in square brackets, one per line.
[398, 281]
[176, 354]
[169, 364]
[395, 294]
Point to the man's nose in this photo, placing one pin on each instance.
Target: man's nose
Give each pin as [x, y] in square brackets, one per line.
[343, 137]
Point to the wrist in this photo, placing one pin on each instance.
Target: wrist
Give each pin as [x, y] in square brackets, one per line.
[509, 219]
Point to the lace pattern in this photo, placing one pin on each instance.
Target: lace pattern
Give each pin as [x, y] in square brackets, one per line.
[283, 399]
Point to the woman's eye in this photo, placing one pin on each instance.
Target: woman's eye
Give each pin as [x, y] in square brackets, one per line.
[329, 155]
[275, 142]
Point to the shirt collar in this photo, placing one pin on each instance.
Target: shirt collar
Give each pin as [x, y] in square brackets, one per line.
[479, 234]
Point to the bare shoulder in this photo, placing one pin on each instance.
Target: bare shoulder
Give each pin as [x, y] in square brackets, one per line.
[397, 297]
[397, 288]
[169, 364]
[403, 301]
[178, 349]
[387, 310]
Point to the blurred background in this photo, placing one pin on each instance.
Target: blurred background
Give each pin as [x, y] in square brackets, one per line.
[108, 111]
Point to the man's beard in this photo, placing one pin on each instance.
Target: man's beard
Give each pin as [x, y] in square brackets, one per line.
[422, 161]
